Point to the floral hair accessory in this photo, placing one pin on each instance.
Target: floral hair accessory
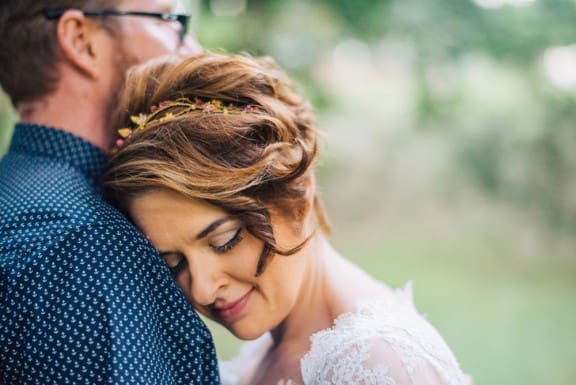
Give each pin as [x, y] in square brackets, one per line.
[172, 109]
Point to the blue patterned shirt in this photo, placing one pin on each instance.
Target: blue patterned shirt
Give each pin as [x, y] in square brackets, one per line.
[84, 298]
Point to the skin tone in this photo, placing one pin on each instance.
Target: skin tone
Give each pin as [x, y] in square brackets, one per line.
[146, 38]
[93, 64]
[214, 260]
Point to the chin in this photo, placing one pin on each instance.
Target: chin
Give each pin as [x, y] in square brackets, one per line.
[246, 334]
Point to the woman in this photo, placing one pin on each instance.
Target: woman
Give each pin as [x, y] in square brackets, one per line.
[215, 166]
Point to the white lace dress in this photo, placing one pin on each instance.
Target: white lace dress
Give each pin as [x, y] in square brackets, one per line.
[382, 342]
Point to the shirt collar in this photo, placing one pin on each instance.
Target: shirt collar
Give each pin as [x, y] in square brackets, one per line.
[59, 145]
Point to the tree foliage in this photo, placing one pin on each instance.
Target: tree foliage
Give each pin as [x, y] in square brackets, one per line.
[522, 152]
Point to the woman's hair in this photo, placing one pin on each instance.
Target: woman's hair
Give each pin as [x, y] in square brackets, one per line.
[229, 130]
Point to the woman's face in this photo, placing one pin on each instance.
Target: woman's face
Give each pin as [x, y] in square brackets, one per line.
[214, 260]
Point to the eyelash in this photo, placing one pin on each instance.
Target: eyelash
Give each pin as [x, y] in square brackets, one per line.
[230, 244]
[175, 270]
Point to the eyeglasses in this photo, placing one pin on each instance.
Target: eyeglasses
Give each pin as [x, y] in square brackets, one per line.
[181, 18]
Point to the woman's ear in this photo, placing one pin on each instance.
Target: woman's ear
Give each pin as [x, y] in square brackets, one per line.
[310, 185]
[75, 35]
[315, 212]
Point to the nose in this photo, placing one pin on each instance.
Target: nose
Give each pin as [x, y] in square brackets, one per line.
[207, 281]
[189, 47]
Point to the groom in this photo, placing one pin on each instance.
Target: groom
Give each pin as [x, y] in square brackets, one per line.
[84, 298]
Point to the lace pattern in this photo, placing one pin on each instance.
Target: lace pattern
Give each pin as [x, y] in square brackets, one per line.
[384, 341]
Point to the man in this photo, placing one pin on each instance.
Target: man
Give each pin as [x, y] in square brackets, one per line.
[84, 299]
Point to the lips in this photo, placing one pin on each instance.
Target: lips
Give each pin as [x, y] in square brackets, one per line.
[233, 309]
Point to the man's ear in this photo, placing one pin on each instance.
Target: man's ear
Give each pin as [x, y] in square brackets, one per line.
[75, 37]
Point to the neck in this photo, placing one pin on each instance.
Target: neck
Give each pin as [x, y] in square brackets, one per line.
[70, 109]
[315, 308]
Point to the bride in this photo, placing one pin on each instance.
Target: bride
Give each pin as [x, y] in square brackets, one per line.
[215, 165]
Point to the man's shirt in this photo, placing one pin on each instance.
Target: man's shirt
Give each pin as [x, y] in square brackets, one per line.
[84, 298]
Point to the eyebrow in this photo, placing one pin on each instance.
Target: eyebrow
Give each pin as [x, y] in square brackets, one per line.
[213, 226]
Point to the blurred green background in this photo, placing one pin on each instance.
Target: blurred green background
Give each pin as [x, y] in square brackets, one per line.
[449, 158]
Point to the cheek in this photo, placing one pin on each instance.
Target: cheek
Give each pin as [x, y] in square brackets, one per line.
[150, 42]
[159, 41]
[238, 266]
[185, 284]
[281, 281]
[243, 260]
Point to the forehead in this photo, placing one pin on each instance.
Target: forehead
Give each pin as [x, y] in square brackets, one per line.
[161, 204]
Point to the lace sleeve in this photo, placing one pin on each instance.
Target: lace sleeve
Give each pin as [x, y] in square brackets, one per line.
[398, 361]
[381, 343]
[380, 362]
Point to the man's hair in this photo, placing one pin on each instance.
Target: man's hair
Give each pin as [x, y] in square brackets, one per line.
[247, 162]
[28, 46]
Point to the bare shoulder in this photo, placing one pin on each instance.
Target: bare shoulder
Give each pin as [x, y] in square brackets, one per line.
[348, 284]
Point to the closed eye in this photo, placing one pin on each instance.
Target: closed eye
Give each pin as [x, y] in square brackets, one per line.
[176, 270]
[176, 262]
[229, 245]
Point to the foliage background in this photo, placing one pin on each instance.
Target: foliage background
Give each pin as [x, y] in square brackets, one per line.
[449, 158]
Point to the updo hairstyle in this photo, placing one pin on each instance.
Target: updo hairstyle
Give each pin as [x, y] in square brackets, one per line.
[245, 163]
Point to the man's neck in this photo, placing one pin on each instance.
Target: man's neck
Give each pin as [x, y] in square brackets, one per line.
[72, 112]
